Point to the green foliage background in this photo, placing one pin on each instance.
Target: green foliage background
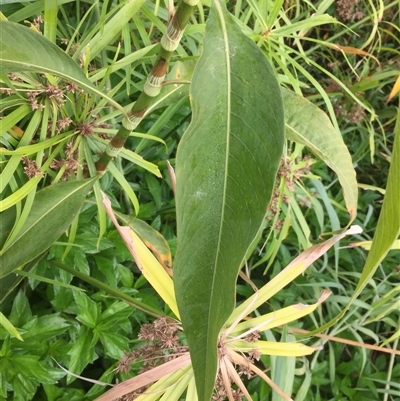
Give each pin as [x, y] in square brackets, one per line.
[79, 324]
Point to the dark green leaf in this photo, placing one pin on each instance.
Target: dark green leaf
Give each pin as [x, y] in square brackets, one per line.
[106, 377]
[89, 311]
[82, 353]
[225, 170]
[9, 283]
[89, 241]
[24, 389]
[62, 298]
[120, 250]
[45, 327]
[114, 344]
[30, 367]
[52, 392]
[80, 261]
[126, 276]
[52, 212]
[154, 188]
[7, 222]
[107, 267]
[72, 394]
[116, 312]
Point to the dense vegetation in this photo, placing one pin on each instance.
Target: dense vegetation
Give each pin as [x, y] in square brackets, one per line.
[80, 308]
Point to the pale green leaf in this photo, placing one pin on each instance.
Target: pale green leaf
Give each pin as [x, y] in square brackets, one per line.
[310, 126]
[20, 193]
[9, 327]
[36, 147]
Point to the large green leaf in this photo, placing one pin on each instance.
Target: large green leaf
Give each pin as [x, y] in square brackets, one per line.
[225, 171]
[22, 49]
[52, 212]
[310, 126]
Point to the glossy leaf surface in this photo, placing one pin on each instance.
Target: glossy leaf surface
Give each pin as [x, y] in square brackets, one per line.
[52, 212]
[22, 50]
[225, 170]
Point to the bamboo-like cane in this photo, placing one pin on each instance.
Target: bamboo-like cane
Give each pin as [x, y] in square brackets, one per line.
[152, 87]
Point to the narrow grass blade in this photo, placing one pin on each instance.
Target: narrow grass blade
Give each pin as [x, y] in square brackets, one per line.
[387, 230]
[294, 269]
[9, 327]
[52, 212]
[273, 348]
[22, 49]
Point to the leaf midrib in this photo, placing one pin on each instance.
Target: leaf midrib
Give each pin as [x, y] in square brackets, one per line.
[226, 51]
[44, 215]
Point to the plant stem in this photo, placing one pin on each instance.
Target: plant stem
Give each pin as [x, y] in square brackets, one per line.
[152, 87]
[110, 290]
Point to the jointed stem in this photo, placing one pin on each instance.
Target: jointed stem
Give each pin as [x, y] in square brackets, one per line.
[152, 87]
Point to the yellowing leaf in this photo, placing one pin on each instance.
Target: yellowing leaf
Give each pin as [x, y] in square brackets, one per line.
[367, 245]
[280, 317]
[152, 239]
[294, 269]
[146, 378]
[145, 260]
[272, 348]
[154, 272]
[395, 90]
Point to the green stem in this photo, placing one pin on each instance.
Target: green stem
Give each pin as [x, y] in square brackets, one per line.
[110, 290]
[153, 84]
